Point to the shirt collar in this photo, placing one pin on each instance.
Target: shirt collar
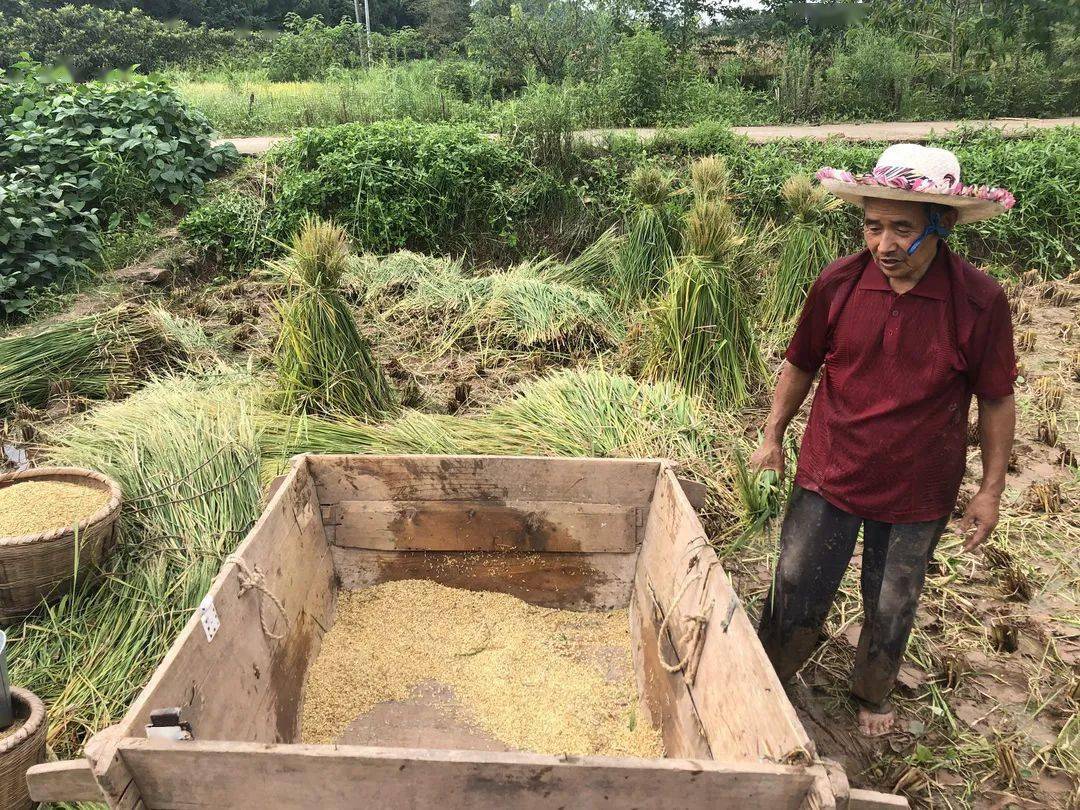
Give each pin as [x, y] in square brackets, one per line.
[935, 284]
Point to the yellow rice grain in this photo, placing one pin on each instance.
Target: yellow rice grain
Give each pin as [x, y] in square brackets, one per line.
[29, 507]
[537, 679]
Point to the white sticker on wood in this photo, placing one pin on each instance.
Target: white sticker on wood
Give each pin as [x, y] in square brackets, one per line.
[209, 618]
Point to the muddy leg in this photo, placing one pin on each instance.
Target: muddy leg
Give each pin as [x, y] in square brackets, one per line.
[816, 542]
[895, 558]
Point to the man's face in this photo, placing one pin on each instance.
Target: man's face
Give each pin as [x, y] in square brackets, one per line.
[890, 227]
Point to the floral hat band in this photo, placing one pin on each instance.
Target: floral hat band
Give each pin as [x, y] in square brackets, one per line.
[908, 171]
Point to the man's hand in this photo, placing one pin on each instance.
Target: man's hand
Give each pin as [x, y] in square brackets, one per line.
[770, 456]
[982, 516]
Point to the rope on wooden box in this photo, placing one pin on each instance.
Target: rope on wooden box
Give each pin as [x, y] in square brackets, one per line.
[692, 640]
[253, 579]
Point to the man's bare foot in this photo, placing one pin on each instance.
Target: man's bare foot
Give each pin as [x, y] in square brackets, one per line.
[876, 723]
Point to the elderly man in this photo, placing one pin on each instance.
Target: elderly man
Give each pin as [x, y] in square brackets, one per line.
[904, 333]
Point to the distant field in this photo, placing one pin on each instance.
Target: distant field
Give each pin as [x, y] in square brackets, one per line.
[248, 104]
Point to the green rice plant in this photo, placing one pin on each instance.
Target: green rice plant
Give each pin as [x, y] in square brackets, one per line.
[593, 267]
[572, 412]
[651, 238]
[381, 281]
[710, 179]
[760, 492]
[323, 364]
[184, 452]
[523, 307]
[702, 337]
[96, 356]
[519, 311]
[197, 346]
[807, 245]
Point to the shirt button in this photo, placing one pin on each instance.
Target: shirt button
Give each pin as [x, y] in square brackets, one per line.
[895, 312]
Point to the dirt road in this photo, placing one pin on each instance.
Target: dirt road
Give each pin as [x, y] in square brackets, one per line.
[895, 131]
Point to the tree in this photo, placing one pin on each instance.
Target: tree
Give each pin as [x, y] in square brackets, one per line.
[557, 39]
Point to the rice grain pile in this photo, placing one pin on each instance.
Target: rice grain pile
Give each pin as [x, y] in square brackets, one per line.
[30, 507]
[537, 679]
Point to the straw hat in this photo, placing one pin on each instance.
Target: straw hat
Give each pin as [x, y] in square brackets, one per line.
[909, 171]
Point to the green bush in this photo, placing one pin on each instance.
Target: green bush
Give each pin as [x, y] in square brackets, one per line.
[872, 76]
[1043, 172]
[45, 233]
[103, 135]
[467, 81]
[398, 185]
[308, 49]
[77, 156]
[640, 74]
[91, 41]
[229, 224]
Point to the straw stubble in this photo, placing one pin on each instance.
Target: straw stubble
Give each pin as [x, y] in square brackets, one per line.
[536, 679]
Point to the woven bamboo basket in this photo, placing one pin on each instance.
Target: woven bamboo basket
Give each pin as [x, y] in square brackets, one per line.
[43, 566]
[22, 749]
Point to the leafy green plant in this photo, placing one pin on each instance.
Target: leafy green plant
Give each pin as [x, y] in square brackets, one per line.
[92, 40]
[231, 225]
[46, 233]
[640, 74]
[75, 157]
[79, 132]
[309, 48]
[397, 185]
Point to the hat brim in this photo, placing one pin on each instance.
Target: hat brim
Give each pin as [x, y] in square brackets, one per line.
[970, 209]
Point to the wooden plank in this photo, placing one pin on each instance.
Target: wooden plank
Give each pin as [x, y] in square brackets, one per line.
[738, 698]
[663, 696]
[70, 780]
[629, 482]
[871, 800]
[484, 526]
[586, 581]
[695, 493]
[272, 777]
[111, 773]
[245, 684]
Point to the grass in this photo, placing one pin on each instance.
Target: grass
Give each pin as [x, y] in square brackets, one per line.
[243, 103]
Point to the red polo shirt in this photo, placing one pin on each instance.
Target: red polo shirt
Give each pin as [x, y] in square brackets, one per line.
[887, 434]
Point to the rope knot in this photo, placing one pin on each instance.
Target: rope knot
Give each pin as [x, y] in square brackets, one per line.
[692, 639]
[252, 579]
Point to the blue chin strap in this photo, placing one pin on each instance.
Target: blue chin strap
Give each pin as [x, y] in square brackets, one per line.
[934, 226]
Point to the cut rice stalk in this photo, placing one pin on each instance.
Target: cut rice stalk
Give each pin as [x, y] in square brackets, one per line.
[323, 364]
[96, 356]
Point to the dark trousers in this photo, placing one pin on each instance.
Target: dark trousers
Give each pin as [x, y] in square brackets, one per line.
[816, 544]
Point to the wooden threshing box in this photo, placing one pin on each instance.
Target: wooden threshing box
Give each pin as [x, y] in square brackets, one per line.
[570, 533]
